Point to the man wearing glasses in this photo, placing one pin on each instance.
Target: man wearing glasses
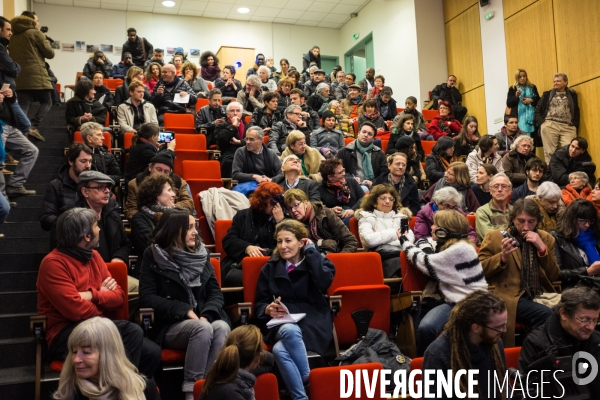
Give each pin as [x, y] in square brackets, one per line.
[495, 214]
[252, 96]
[279, 132]
[570, 329]
[520, 262]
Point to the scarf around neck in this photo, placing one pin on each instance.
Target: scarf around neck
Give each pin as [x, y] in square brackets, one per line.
[311, 220]
[372, 116]
[78, 253]
[155, 211]
[187, 265]
[342, 190]
[366, 159]
[93, 392]
[246, 381]
[530, 270]
[586, 241]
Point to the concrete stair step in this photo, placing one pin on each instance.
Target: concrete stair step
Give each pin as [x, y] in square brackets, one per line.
[19, 262]
[18, 352]
[18, 281]
[15, 326]
[18, 302]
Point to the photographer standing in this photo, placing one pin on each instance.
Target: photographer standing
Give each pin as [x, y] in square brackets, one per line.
[29, 48]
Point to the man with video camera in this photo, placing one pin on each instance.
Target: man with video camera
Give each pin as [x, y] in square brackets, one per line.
[570, 329]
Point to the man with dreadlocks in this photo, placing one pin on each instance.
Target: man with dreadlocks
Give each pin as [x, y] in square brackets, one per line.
[471, 340]
[521, 267]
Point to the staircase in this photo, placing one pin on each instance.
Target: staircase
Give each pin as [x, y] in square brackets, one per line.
[21, 251]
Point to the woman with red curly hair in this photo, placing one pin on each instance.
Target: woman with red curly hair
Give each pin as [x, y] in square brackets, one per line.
[444, 124]
[252, 231]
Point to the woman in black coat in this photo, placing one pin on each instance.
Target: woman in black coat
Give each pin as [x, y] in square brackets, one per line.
[177, 280]
[145, 146]
[252, 232]
[83, 107]
[577, 233]
[155, 196]
[337, 192]
[297, 275]
[442, 155]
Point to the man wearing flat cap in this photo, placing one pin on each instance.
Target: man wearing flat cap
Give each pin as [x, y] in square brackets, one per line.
[310, 87]
[161, 163]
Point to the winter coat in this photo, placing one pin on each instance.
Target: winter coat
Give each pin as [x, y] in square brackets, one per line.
[8, 68]
[142, 226]
[301, 291]
[122, 93]
[505, 141]
[205, 119]
[140, 155]
[425, 221]
[228, 91]
[315, 102]
[335, 236]
[308, 186]
[311, 161]
[469, 205]
[136, 50]
[562, 164]
[512, 100]
[76, 107]
[444, 92]
[350, 110]
[164, 102]
[377, 228]
[434, 170]
[109, 99]
[119, 71]
[340, 91]
[308, 58]
[409, 197]
[542, 107]
[279, 133]
[569, 259]
[507, 277]
[165, 292]
[126, 117]
[104, 161]
[350, 160]
[91, 66]
[240, 173]
[330, 200]
[391, 109]
[60, 192]
[569, 194]
[224, 133]
[329, 139]
[260, 118]
[29, 48]
[488, 218]
[453, 125]
[182, 197]
[250, 103]
[552, 338]
[513, 164]
[474, 161]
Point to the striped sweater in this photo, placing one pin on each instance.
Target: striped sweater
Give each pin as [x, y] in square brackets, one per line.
[457, 268]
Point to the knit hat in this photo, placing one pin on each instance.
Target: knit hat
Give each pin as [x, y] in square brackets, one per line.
[327, 114]
[164, 157]
[404, 142]
[178, 50]
[94, 176]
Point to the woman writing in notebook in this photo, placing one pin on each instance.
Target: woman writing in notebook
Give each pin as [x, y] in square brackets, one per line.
[296, 276]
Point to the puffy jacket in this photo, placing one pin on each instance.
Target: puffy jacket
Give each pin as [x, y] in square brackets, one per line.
[561, 165]
[164, 102]
[126, 118]
[350, 160]
[91, 66]
[76, 107]
[260, 118]
[377, 228]
[542, 107]
[120, 70]
[60, 192]
[331, 139]
[474, 161]
[29, 48]
[104, 161]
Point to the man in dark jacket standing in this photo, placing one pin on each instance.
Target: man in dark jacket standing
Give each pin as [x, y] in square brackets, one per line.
[29, 48]
[139, 47]
[363, 160]
[557, 115]
[448, 91]
[570, 330]
[211, 115]
[572, 158]
[167, 89]
[314, 55]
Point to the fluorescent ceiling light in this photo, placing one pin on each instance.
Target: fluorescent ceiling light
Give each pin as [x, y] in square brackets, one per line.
[168, 3]
[243, 10]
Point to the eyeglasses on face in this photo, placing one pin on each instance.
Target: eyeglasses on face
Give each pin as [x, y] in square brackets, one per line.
[294, 206]
[100, 188]
[500, 187]
[586, 221]
[499, 329]
[587, 321]
[387, 198]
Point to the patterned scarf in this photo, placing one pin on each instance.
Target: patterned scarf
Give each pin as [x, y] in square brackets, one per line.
[372, 116]
[342, 190]
[188, 265]
[400, 184]
[526, 111]
[156, 211]
[310, 217]
[548, 223]
[445, 162]
[366, 159]
[487, 159]
[530, 270]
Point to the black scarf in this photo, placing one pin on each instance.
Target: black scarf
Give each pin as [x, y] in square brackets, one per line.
[250, 163]
[78, 253]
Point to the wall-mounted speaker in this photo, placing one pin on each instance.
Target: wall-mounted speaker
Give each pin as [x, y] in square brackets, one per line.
[484, 3]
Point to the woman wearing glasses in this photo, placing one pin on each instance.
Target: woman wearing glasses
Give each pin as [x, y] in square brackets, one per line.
[576, 249]
[341, 195]
[450, 260]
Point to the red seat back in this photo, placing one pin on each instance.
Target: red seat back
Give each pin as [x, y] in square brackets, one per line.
[183, 155]
[354, 230]
[106, 140]
[356, 269]
[216, 264]
[428, 146]
[179, 123]
[201, 103]
[251, 267]
[113, 84]
[512, 357]
[472, 221]
[205, 231]
[127, 139]
[195, 169]
[186, 141]
[428, 115]
[118, 270]
[221, 228]
[413, 280]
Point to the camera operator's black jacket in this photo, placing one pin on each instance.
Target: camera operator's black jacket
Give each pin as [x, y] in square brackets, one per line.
[551, 338]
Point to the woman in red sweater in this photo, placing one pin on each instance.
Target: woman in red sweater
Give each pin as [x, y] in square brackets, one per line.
[444, 124]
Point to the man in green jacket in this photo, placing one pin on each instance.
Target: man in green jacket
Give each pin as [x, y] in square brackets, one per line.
[495, 214]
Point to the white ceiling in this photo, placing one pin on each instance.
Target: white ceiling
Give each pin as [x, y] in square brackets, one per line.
[323, 13]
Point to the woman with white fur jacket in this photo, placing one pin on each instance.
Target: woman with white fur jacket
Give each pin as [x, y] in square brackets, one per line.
[450, 260]
[379, 220]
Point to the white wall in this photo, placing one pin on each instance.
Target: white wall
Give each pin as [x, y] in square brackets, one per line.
[20, 6]
[495, 74]
[162, 30]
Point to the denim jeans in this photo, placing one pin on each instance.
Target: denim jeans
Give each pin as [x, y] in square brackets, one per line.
[531, 313]
[4, 208]
[26, 97]
[23, 150]
[202, 341]
[432, 324]
[292, 360]
[21, 121]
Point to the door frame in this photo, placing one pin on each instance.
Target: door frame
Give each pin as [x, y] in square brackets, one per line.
[367, 43]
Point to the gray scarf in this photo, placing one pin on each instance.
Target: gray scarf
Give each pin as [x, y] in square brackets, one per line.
[245, 381]
[188, 265]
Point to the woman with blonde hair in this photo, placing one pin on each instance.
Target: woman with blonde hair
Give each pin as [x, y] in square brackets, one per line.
[230, 377]
[449, 258]
[97, 366]
[456, 176]
[521, 100]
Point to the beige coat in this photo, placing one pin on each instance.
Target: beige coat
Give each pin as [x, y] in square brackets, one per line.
[312, 160]
[507, 278]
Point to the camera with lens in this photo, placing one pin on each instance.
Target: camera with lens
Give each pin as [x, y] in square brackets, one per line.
[44, 29]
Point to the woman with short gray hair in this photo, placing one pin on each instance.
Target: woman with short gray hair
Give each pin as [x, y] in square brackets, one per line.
[267, 84]
[319, 100]
[446, 198]
[548, 197]
[577, 188]
[102, 159]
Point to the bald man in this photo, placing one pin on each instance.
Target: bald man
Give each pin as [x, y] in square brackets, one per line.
[165, 91]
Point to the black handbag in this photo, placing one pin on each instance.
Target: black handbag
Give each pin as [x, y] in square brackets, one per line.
[592, 282]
